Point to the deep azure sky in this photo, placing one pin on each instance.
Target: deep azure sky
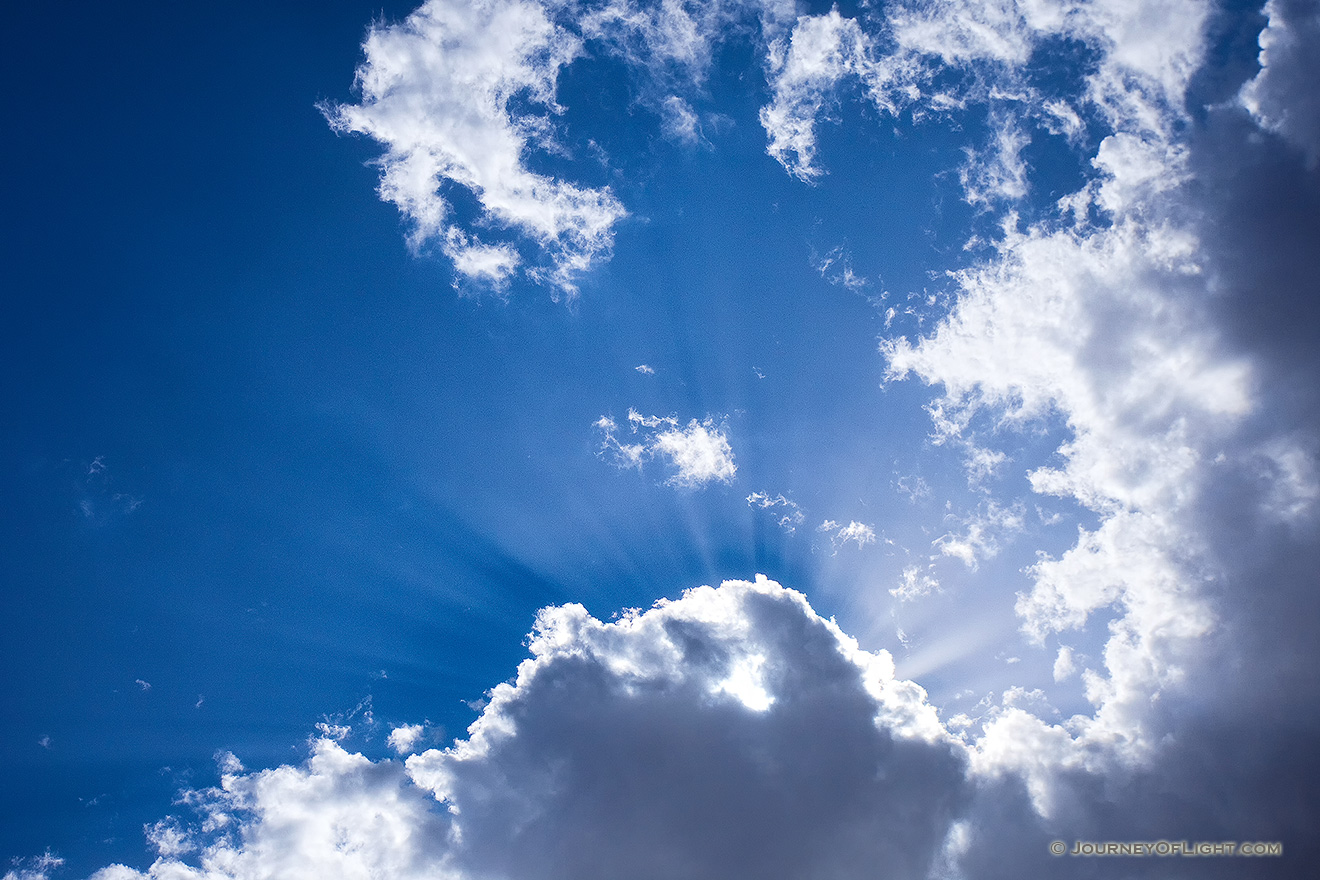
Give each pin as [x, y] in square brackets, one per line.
[268, 466]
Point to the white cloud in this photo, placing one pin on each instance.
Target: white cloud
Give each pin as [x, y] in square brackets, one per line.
[1282, 97]
[915, 584]
[836, 268]
[699, 452]
[491, 263]
[859, 533]
[1017, 743]
[336, 732]
[962, 31]
[680, 121]
[979, 534]
[732, 732]
[1060, 117]
[823, 52]
[437, 91]
[789, 513]
[623, 454]
[168, 838]
[404, 737]
[1065, 665]
[1096, 323]
[37, 868]
[804, 70]
[34, 868]
[462, 94]
[1102, 318]
[645, 370]
[1146, 56]
[913, 486]
[998, 173]
[338, 815]
[671, 40]
[1288, 465]
[982, 463]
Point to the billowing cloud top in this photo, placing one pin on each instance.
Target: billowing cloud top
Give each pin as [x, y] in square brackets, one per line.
[730, 733]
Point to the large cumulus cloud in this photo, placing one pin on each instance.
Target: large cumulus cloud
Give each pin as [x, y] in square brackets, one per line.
[732, 733]
[1163, 314]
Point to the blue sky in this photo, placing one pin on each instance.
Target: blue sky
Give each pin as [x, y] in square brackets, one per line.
[970, 346]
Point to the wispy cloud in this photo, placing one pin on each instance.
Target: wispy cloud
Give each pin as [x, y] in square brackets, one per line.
[101, 496]
[915, 583]
[437, 92]
[804, 69]
[836, 267]
[789, 514]
[36, 868]
[169, 838]
[699, 452]
[980, 534]
[997, 172]
[858, 533]
[913, 486]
